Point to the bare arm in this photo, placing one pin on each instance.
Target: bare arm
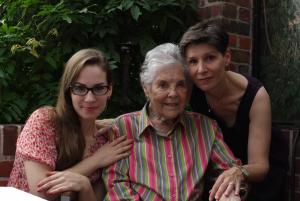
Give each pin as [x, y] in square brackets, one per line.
[104, 156]
[259, 137]
[57, 182]
[35, 172]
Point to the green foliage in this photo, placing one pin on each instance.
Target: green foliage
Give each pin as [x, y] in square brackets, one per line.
[281, 59]
[37, 37]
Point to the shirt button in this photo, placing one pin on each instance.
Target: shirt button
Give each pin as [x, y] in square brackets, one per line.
[169, 155]
[173, 196]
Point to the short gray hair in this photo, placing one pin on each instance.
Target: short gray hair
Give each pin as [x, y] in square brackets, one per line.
[158, 58]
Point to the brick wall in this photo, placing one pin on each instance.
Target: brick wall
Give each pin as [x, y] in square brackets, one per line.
[8, 138]
[235, 15]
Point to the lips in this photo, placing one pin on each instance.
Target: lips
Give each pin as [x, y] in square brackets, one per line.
[89, 108]
[171, 104]
[204, 78]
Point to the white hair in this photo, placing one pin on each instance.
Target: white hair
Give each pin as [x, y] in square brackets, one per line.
[159, 57]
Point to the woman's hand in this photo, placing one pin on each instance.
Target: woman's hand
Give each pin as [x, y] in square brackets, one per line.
[103, 125]
[231, 197]
[113, 151]
[59, 182]
[227, 183]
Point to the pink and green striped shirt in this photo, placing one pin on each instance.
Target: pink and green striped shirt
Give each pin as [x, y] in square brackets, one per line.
[166, 168]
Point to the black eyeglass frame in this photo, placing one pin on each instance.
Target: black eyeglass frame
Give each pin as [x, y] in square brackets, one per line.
[89, 89]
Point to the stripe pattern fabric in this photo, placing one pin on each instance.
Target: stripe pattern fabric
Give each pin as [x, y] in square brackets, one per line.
[166, 168]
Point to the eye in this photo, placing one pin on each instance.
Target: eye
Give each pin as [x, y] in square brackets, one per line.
[181, 85]
[79, 90]
[209, 58]
[192, 62]
[99, 88]
[163, 85]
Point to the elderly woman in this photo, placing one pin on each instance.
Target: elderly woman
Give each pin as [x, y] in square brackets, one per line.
[172, 148]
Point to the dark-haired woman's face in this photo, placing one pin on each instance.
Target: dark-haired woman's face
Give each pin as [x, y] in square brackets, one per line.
[206, 65]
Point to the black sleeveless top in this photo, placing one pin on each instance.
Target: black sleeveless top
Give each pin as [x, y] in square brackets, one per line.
[236, 137]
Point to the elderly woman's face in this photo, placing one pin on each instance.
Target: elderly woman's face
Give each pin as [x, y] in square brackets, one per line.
[168, 92]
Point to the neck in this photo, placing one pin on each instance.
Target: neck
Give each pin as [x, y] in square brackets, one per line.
[88, 127]
[159, 122]
[221, 90]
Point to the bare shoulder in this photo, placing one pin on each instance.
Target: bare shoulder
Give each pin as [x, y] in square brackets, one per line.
[262, 97]
[238, 80]
[261, 106]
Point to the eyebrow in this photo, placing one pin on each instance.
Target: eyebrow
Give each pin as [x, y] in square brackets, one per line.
[97, 84]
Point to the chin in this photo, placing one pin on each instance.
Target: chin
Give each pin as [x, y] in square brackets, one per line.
[171, 116]
[88, 117]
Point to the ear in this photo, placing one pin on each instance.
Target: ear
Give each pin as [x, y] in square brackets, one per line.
[227, 56]
[146, 89]
[109, 93]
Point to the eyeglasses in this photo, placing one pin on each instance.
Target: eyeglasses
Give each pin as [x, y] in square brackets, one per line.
[97, 90]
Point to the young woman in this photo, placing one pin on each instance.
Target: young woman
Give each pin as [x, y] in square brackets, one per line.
[239, 103]
[59, 148]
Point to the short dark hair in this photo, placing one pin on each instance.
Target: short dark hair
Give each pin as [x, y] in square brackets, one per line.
[205, 33]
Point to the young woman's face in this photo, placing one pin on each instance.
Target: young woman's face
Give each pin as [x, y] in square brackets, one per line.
[89, 104]
[168, 92]
[206, 65]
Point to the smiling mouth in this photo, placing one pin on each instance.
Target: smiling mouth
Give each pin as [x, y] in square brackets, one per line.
[205, 78]
[90, 108]
[171, 104]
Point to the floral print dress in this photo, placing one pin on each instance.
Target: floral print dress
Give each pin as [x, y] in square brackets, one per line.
[37, 143]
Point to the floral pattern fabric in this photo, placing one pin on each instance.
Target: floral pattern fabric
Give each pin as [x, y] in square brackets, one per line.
[37, 143]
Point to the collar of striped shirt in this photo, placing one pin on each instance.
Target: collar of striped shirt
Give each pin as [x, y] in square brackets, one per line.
[145, 122]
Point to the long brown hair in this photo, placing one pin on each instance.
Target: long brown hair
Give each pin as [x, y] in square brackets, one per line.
[70, 140]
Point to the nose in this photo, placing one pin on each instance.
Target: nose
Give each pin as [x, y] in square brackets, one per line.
[173, 92]
[201, 68]
[90, 97]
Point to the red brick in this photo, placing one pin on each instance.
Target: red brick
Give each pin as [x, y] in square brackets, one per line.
[3, 182]
[245, 43]
[204, 13]
[244, 69]
[240, 56]
[244, 14]
[244, 3]
[231, 67]
[10, 135]
[230, 11]
[232, 40]
[201, 3]
[5, 168]
[216, 10]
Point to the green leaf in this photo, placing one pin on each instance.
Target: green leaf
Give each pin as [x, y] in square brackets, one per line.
[10, 69]
[7, 117]
[67, 19]
[21, 103]
[84, 10]
[2, 73]
[51, 61]
[135, 12]
[126, 4]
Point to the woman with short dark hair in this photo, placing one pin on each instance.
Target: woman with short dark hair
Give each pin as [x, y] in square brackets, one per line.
[239, 103]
